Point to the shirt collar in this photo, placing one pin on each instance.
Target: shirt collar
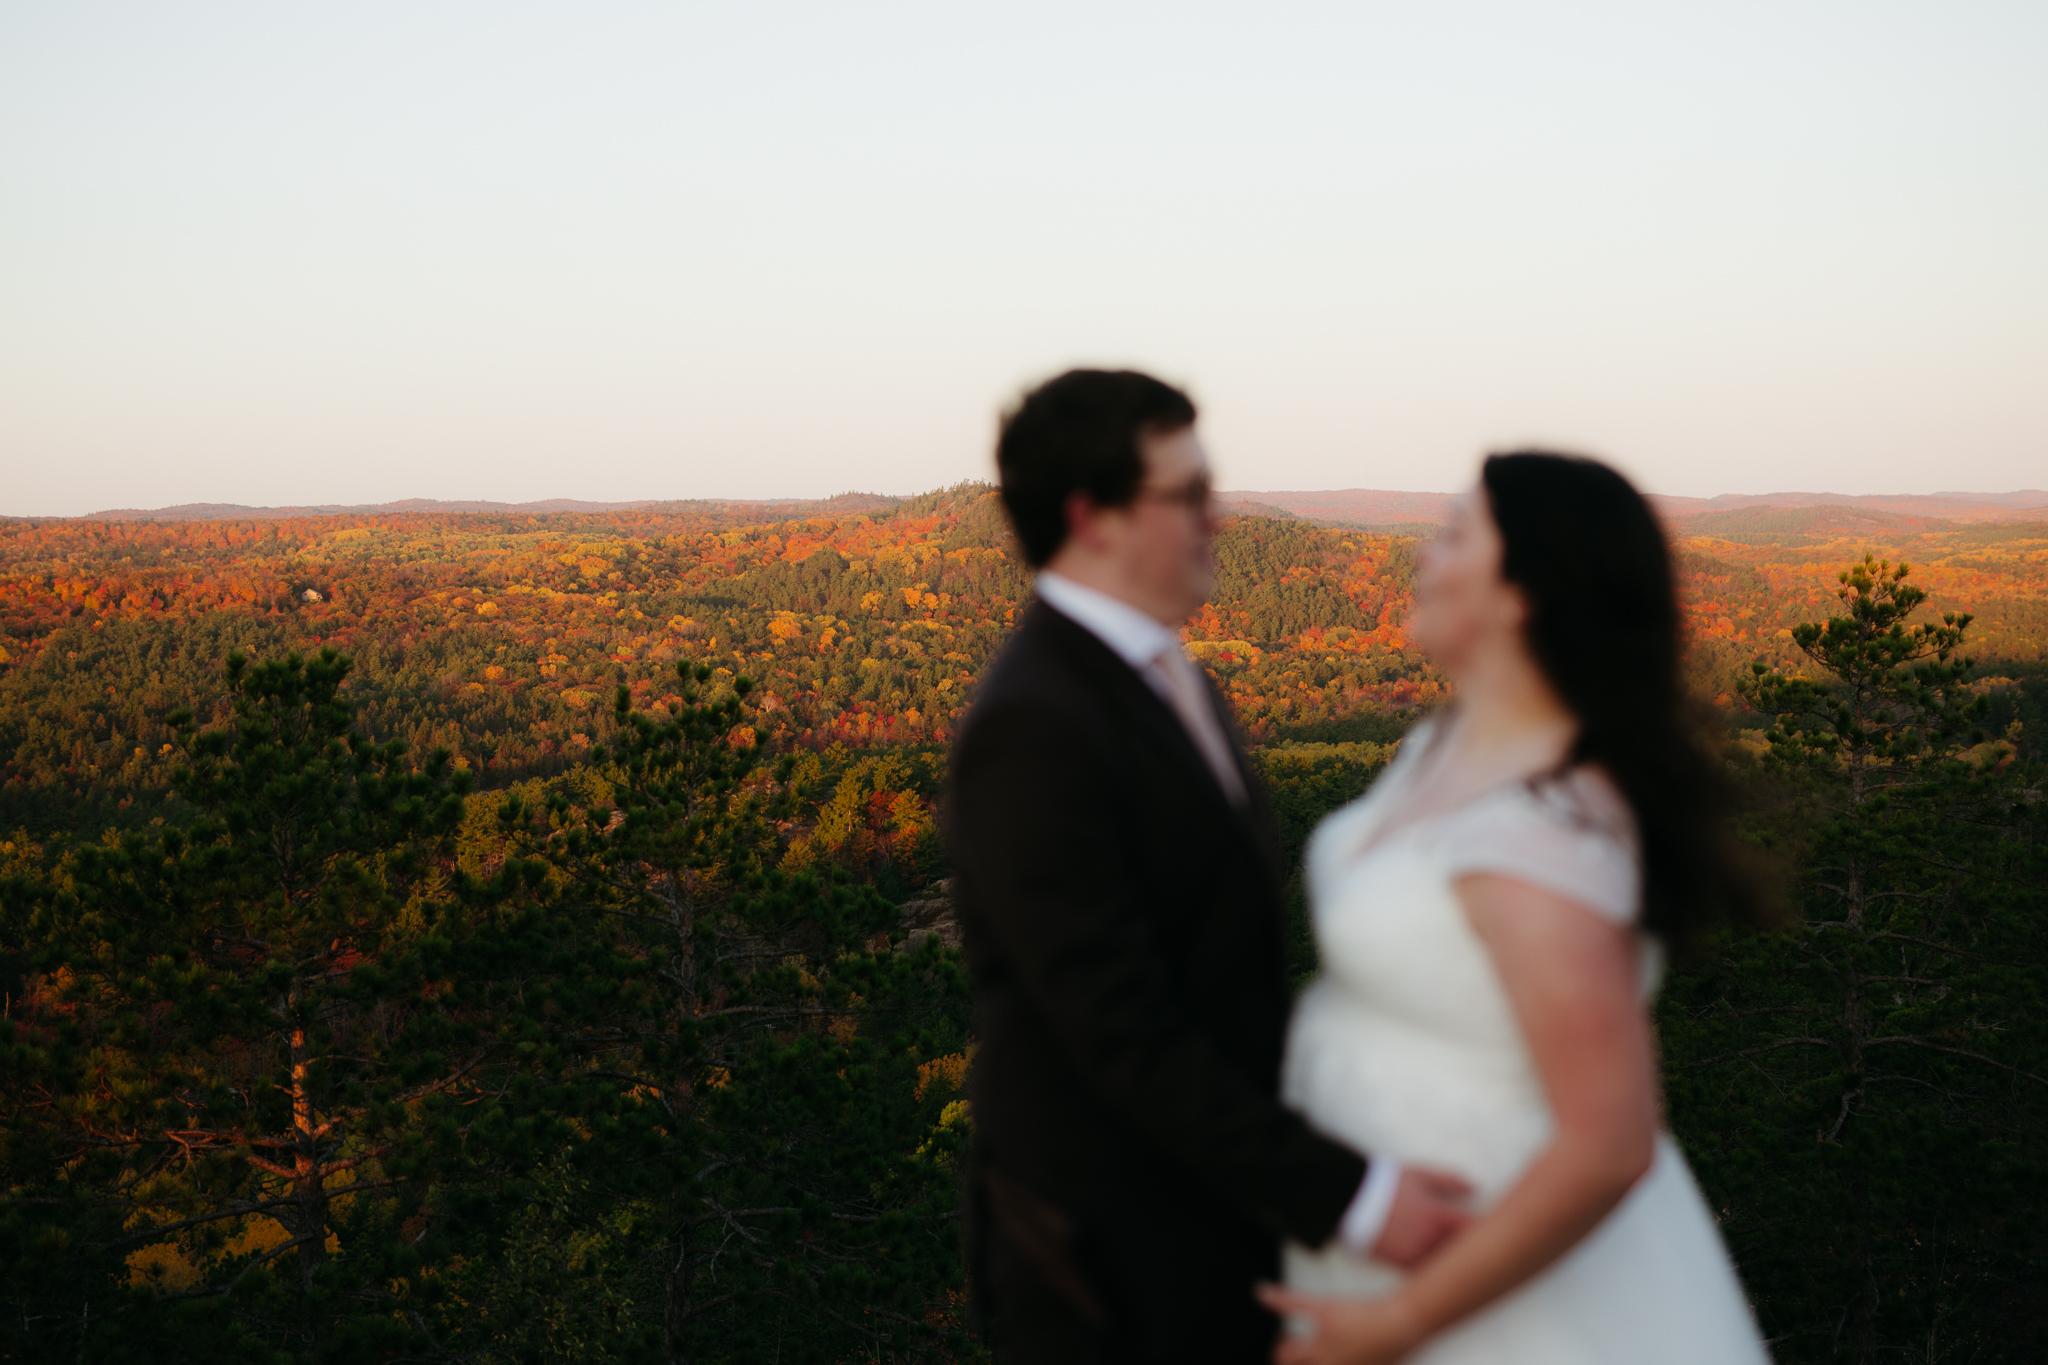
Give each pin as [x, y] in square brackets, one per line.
[1136, 638]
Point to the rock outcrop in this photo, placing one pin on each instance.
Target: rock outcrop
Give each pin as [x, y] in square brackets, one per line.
[931, 914]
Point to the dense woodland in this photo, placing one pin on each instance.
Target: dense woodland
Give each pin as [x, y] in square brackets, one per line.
[475, 937]
[500, 638]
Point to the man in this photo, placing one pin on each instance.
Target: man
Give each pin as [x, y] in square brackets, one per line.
[1119, 889]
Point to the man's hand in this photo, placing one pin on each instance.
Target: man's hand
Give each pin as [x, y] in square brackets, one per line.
[1428, 1210]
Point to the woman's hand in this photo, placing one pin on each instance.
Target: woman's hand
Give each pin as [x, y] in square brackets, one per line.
[1345, 1332]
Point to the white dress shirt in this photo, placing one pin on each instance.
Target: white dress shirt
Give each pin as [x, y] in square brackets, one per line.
[1154, 653]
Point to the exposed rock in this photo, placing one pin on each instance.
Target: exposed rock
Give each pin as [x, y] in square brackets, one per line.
[932, 913]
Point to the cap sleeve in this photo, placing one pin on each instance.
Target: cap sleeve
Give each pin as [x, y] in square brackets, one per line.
[1573, 835]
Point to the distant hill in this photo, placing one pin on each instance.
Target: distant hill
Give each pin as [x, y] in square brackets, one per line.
[2026, 504]
[1759, 517]
[1355, 506]
[768, 508]
[1914, 511]
[1768, 525]
[1235, 505]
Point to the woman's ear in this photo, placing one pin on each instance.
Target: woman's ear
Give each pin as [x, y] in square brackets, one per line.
[1511, 607]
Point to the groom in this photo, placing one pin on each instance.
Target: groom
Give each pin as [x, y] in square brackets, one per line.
[1119, 886]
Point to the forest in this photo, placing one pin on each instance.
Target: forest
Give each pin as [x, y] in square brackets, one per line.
[478, 937]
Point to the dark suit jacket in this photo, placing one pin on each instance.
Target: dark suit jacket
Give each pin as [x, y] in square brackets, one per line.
[1122, 923]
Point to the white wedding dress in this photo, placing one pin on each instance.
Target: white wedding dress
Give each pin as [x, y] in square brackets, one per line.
[1406, 1045]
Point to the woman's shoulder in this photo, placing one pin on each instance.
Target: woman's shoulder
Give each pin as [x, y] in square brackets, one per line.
[1572, 833]
[1587, 798]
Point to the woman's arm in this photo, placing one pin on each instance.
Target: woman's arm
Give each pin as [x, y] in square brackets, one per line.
[1572, 979]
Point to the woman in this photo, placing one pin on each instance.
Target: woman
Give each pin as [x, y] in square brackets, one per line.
[1491, 918]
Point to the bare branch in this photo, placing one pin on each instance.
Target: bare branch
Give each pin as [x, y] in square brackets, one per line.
[1753, 1051]
[1911, 1041]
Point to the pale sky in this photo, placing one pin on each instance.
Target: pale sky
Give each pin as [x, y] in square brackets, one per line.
[291, 253]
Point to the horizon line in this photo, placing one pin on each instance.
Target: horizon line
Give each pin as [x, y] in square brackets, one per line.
[2014, 499]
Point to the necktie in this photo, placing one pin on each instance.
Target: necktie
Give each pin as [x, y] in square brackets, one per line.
[1190, 701]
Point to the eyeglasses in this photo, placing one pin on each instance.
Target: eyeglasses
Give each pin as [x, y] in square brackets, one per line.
[1193, 495]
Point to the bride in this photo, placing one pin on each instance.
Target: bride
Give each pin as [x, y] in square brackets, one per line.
[1491, 918]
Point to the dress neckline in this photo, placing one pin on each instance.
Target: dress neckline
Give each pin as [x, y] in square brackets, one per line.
[1380, 833]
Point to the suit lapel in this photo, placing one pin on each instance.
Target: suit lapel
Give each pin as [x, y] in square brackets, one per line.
[1257, 818]
[1133, 698]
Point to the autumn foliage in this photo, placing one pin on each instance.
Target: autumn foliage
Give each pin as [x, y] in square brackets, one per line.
[500, 638]
[538, 954]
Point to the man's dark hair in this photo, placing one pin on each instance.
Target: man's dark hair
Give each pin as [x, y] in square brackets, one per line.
[1079, 433]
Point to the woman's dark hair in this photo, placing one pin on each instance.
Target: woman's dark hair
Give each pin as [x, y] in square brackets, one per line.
[1604, 625]
[1079, 433]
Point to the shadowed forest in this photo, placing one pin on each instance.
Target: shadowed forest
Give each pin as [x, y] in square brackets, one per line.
[526, 937]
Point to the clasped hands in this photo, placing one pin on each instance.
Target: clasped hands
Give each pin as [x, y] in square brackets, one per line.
[1429, 1209]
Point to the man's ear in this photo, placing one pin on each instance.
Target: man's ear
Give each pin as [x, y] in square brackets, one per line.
[1084, 521]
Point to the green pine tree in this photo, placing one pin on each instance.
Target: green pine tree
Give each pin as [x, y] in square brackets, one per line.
[1864, 1097]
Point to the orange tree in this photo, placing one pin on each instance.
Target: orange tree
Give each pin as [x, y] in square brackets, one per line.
[1865, 1096]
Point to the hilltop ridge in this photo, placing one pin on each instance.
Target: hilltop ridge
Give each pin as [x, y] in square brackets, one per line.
[1380, 507]
[765, 508]
[1347, 506]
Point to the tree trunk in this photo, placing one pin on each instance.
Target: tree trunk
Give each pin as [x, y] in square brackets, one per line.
[676, 1282]
[1856, 1025]
[309, 1189]
[684, 917]
[675, 1302]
